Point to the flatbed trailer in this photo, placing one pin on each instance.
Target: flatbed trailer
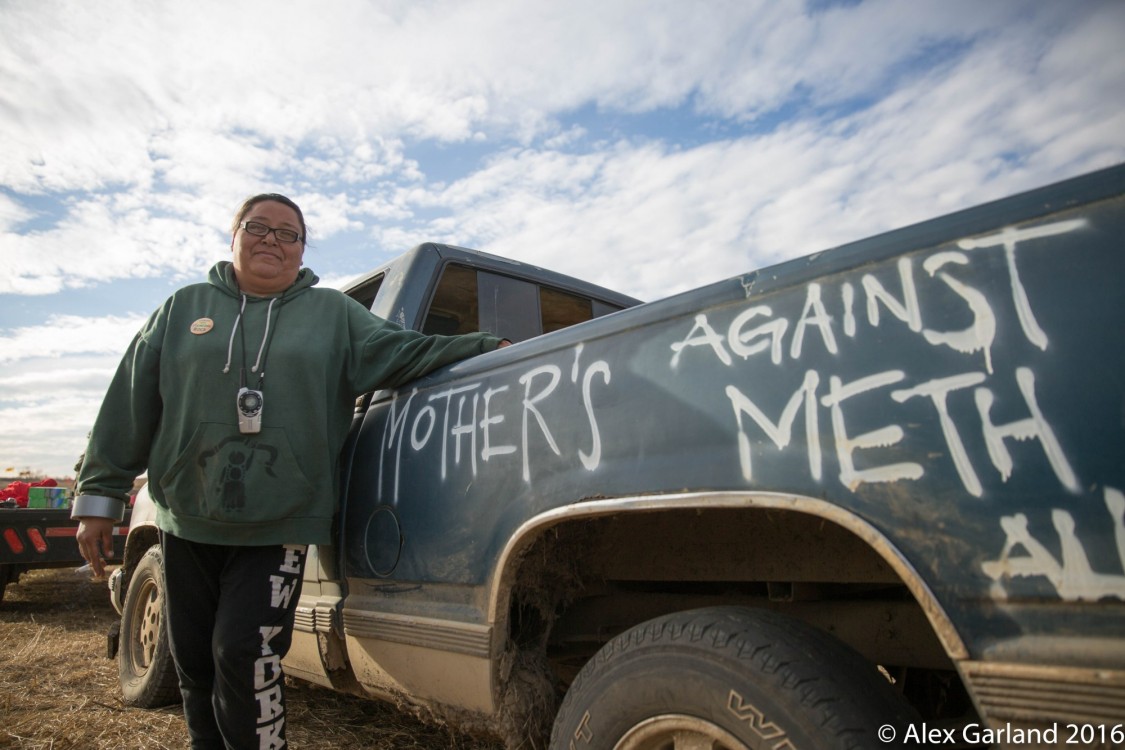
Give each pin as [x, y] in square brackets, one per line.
[44, 538]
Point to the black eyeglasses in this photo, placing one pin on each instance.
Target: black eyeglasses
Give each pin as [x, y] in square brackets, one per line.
[261, 230]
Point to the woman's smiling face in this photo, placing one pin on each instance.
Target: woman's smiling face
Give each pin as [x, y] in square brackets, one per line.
[265, 265]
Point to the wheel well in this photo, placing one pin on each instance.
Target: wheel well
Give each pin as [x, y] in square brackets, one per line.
[581, 581]
[139, 542]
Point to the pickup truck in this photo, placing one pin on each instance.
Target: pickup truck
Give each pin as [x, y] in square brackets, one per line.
[849, 500]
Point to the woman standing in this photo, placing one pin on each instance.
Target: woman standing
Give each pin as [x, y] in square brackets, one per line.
[243, 468]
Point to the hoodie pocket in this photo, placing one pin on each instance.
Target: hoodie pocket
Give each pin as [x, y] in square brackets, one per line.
[237, 478]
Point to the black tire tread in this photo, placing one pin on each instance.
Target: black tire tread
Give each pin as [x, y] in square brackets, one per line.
[161, 687]
[835, 684]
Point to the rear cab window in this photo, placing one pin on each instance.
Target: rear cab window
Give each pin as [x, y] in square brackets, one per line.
[467, 299]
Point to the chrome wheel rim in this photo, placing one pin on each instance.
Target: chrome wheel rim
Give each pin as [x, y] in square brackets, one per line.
[147, 626]
[678, 732]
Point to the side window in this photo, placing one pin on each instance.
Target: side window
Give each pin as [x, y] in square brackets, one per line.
[561, 309]
[467, 300]
[365, 295]
[509, 307]
[454, 308]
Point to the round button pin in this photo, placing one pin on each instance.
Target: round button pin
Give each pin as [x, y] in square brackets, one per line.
[203, 325]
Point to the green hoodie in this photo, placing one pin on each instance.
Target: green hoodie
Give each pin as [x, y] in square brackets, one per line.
[171, 407]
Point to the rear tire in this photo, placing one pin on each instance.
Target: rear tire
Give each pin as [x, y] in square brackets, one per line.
[728, 678]
[145, 668]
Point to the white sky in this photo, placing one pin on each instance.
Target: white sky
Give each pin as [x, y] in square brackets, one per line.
[650, 146]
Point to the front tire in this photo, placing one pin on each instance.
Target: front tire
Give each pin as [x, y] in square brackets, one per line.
[727, 678]
[145, 668]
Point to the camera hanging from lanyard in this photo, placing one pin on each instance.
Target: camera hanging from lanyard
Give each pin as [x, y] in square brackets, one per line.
[249, 404]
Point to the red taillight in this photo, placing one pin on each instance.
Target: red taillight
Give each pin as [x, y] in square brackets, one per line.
[13, 540]
[37, 540]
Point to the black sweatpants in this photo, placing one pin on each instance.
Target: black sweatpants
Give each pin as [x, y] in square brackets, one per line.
[230, 623]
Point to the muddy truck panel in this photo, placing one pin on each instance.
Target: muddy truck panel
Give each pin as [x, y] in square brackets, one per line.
[924, 428]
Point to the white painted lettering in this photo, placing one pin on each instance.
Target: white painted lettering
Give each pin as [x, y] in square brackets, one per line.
[978, 336]
[937, 391]
[819, 318]
[392, 437]
[883, 437]
[848, 292]
[486, 423]
[740, 341]
[708, 337]
[965, 323]
[529, 407]
[908, 310]
[1115, 503]
[593, 459]
[447, 396]
[575, 368]
[781, 432]
[1008, 238]
[462, 428]
[1035, 426]
[430, 415]
[1072, 578]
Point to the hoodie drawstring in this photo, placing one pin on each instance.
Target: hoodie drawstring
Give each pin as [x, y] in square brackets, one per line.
[265, 336]
[230, 344]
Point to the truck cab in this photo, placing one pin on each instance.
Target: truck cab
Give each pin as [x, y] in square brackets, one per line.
[437, 289]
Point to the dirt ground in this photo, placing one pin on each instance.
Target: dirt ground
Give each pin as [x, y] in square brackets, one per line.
[59, 691]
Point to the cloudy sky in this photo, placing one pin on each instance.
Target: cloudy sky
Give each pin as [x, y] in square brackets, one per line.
[648, 145]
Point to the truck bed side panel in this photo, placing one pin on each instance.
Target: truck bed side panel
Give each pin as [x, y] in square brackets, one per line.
[959, 386]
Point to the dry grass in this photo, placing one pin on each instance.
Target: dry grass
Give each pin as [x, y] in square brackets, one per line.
[58, 691]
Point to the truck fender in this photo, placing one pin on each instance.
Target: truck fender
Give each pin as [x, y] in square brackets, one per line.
[143, 534]
[503, 578]
[144, 510]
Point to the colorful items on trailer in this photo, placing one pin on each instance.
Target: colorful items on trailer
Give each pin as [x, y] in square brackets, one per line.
[30, 495]
[48, 497]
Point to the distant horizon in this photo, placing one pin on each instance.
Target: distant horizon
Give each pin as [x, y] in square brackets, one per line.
[62, 481]
[67, 482]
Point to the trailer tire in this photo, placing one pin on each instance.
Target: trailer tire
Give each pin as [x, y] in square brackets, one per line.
[146, 672]
[728, 678]
[7, 574]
